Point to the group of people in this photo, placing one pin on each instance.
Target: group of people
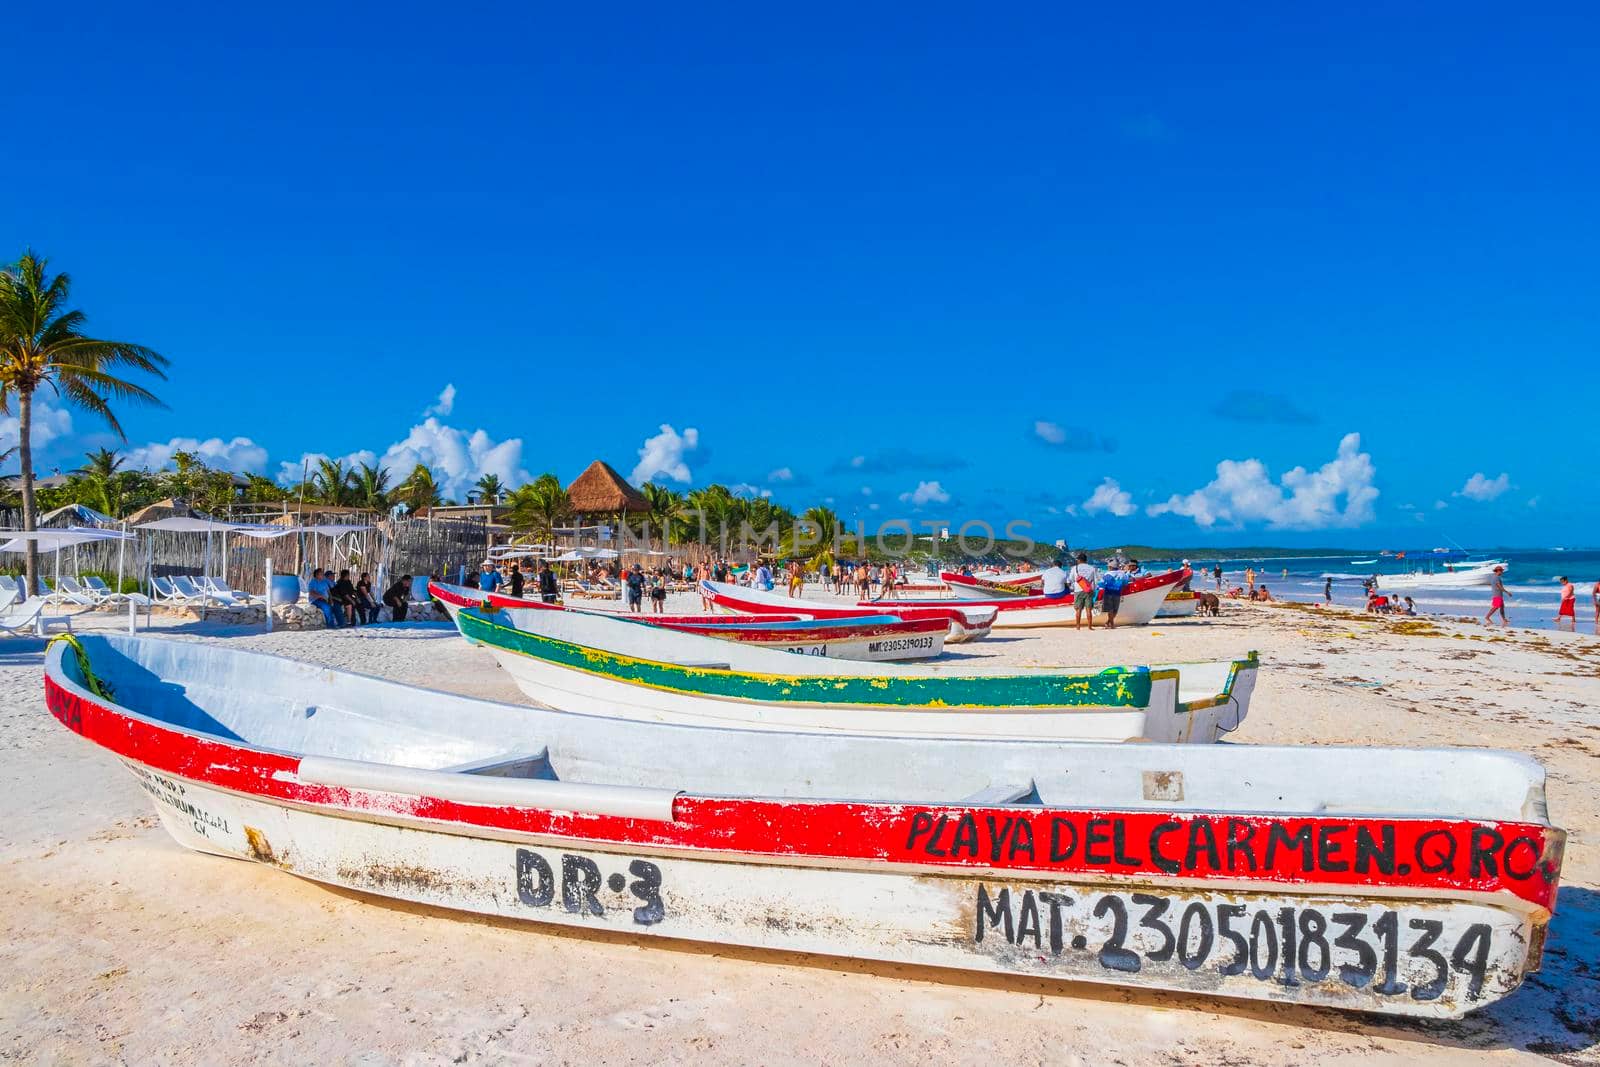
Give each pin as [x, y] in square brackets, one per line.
[350, 603]
[1084, 582]
[858, 579]
[515, 582]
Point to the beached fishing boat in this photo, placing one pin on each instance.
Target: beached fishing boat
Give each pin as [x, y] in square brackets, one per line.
[989, 586]
[1141, 600]
[1179, 604]
[967, 622]
[600, 665]
[1411, 882]
[872, 638]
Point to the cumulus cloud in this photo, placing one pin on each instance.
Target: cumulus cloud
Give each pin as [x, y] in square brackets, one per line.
[51, 422]
[1484, 489]
[1072, 438]
[1110, 497]
[925, 493]
[896, 460]
[445, 404]
[240, 455]
[457, 457]
[1340, 493]
[782, 474]
[1252, 405]
[666, 455]
[746, 489]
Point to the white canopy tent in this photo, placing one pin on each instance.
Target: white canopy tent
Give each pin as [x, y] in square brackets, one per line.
[258, 531]
[56, 540]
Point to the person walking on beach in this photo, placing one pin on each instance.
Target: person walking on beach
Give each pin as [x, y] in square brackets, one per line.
[634, 585]
[516, 580]
[547, 583]
[1497, 599]
[1595, 595]
[1567, 613]
[1216, 573]
[397, 598]
[1082, 580]
[1327, 591]
[658, 593]
[1111, 585]
[1250, 581]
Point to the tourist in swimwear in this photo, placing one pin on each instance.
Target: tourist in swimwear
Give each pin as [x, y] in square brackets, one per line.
[1497, 599]
[1567, 613]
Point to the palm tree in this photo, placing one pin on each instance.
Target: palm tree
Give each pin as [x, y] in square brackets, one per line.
[538, 506]
[667, 511]
[825, 528]
[490, 489]
[102, 475]
[331, 482]
[371, 486]
[42, 343]
[261, 490]
[419, 490]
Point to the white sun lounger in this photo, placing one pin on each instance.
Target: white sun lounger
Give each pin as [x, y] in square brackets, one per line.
[187, 587]
[167, 592]
[30, 619]
[67, 590]
[219, 588]
[97, 586]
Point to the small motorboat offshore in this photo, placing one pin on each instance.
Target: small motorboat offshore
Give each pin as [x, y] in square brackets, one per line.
[601, 665]
[1377, 879]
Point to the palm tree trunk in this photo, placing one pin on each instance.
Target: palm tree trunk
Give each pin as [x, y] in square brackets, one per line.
[30, 511]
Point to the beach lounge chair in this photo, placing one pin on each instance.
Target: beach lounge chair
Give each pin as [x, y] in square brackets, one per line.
[167, 592]
[97, 586]
[30, 619]
[186, 585]
[68, 591]
[219, 588]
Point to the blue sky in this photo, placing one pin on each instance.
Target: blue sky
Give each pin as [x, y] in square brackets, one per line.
[981, 261]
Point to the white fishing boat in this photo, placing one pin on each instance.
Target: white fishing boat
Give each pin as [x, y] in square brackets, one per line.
[1140, 601]
[607, 666]
[1410, 882]
[967, 622]
[1439, 579]
[1179, 604]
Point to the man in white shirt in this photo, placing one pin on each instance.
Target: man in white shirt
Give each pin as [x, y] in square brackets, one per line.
[1055, 581]
[1083, 578]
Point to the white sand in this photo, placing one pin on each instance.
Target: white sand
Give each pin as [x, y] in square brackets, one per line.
[116, 945]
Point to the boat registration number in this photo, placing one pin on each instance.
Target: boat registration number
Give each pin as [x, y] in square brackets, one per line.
[899, 644]
[1422, 952]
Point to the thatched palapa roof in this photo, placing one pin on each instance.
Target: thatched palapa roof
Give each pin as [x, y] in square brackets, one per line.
[601, 490]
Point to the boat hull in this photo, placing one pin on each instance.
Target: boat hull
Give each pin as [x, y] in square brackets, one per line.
[1267, 882]
[679, 679]
[999, 922]
[1178, 606]
[1137, 608]
[1439, 580]
[967, 622]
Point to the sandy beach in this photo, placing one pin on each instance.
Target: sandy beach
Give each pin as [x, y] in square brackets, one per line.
[117, 945]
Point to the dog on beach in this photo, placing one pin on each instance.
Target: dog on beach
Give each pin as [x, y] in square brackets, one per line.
[1209, 605]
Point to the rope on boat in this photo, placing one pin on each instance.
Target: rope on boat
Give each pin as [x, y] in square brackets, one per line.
[90, 682]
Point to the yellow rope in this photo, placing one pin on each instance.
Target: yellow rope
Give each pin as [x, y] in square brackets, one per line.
[90, 682]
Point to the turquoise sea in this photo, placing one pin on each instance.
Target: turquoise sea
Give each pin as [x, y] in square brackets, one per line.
[1531, 579]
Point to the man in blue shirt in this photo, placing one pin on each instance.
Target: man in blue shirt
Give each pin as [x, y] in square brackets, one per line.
[319, 590]
[1112, 585]
[489, 580]
[764, 577]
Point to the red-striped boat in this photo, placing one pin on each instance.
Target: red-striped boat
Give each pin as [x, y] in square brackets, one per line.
[1413, 882]
[872, 637]
[966, 622]
[1141, 599]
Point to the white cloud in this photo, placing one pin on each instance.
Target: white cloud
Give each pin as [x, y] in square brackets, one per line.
[1533, 501]
[290, 471]
[1049, 432]
[782, 474]
[858, 461]
[746, 489]
[458, 458]
[925, 493]
[240, 455]
[1243, 492]
[445, 404]
[50, 423]
[665, 455]
[866, 490]
[1109, 496]
[1439, 505]
[1484, 489]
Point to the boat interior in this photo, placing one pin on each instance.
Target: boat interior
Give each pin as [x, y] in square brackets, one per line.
[270, 703]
